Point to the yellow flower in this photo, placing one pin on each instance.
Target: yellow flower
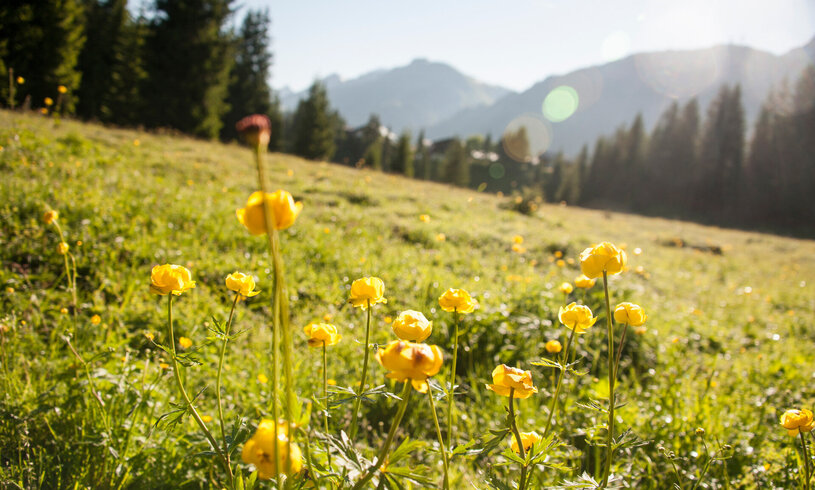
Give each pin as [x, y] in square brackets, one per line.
[584, 282]
[604, 257]
[413, 326]
[281, 205]
[149, 336]
[184, 342]
[256, 129]
[518, 248]
[527, 438]
[797, 420]
[20, 80]
[62, 248]
[43, 111]
[424, 218]
[48, 101]
[577, 317]
[242, 284]
[457, 300]
[553, 346]
[558, 254]
[96, 320]
[62, 89]
[505, 378]
[406, 360]
[208, 418]
[163, 365]
[64, 311]
[629, 313]
[50, 216]
[560, 263]
[262, 379]
[365, 290]
[441, 237]
[518, 239]
[259, 450]
[319, 333]
[566, 288]
[169, 278]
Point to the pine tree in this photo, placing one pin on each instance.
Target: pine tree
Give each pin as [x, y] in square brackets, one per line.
[313, 126]
[403, 156]
[188, 59]
[456, 164]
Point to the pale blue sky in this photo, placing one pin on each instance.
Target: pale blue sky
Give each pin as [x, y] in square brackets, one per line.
[513, 43]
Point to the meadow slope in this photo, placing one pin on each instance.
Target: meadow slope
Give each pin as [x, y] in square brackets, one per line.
[728, 345]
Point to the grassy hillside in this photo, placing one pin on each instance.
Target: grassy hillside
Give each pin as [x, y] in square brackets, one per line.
[728, 345]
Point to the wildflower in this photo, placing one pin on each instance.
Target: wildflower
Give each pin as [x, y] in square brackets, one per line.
[797, 420]
[184, 342]
[43, 111]
[163, 365]
[558, 254]
[262, 379]
[387, 319]
[553, 346]
[407, 360]
[412, 325]
[64, 311]
[560, 263]
[441, 237]
[149, 336]
[169, 278]
[518, 239]
[96, 320]
[629, 313]
[48, 101]
[206, 418]
[242, 284]
[528, 439]
[321, 333]
[10, 290]
[566, 288]
[518, 248]
[603, 257]
[367, 290]
[281, 204]
[136, 142]
[700, 431]
[50, 216]
[576, 317]
[584, 282]
[457, 300]
[505, 378]
[62, 248]
[62, 89]
[255, 129]
[424, 218]
[20, 80]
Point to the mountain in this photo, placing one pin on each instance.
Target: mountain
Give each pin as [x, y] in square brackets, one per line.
[612, 94]
[415, 96]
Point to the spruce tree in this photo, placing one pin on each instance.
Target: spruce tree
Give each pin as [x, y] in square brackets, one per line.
[314, 126]
[402, 162]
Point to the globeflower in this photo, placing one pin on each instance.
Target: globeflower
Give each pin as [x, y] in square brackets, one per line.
[576, 317]
[281, 205]
[528, 439]
[584, 282]
[797, 420]
[629, 313]
[321, 333]
[457, 300]
[48, 101]
[603, 257]
[20, 80]
[50, 217]
[241, 283]
[408, 360]
[169, 278]
[505, 379]
[367, 290]
[553, 346]
[62, 248]
[412, 325]
[259, 450]
[566, 288]
[62, 89]
[255, 129]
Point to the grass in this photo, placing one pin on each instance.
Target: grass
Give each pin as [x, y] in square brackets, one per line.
[727, 349]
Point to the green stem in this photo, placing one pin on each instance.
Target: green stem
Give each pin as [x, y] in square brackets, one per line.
[325, 401]
[186, 397]
[514, 428]
[357, 402]
[611, 380]
[220, 369]
[383, 454]
[619, 353]
[451, 387]
[806, 461]
[441, 439]
[562, 374]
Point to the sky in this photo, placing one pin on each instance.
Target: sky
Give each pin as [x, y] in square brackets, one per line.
[512, 43]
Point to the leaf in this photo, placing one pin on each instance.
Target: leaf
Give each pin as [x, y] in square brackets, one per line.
[548, 363]
[405, 448]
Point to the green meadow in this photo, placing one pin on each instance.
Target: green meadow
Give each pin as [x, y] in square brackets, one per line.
[728, 344]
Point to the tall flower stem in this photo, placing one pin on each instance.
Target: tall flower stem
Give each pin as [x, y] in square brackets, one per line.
[383, 453]
[220, 369]
[611, 381]
[806, 461]
[441, 439]
[619, 352]
[450, 394]
[186, 397]
[513, 425]
[563, 362]
[325, 400]
[357, 402]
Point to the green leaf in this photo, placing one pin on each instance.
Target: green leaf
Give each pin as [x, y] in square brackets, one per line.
[405, 448]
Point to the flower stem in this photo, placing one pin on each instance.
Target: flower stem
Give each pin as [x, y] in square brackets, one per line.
[513, 426]
[218, 378]
[186, 397]
[441, 439]
[619, 352]
[806, 461]
[451, 393]
[357, 402]
[325, 400]
[562, 374]
[611, 380]
[383, 454]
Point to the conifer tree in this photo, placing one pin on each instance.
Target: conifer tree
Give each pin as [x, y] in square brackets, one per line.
[403, 156]
[314, 126]
[456, 164]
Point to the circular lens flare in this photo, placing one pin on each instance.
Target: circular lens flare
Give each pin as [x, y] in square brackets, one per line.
[560, 103]
[525, 138]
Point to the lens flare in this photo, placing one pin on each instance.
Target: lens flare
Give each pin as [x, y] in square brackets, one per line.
[560, 103]
[680, 74]
[525, 138]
